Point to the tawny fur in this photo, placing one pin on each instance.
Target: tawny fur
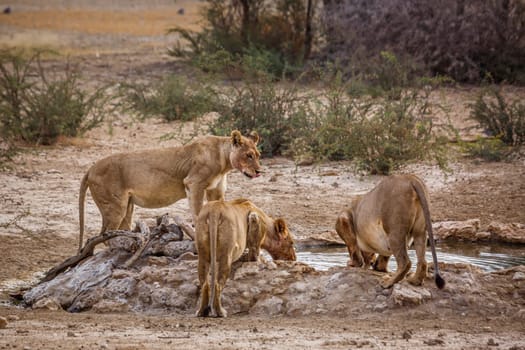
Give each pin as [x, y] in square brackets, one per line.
[160, 177]
[385, 221]
[224, 231]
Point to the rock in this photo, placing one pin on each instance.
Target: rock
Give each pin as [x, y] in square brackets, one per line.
[465, 230]
[518, 276]
[511, 233]
[48, 304]
[3, 323]
[325, 238]
[380, 307]
[492, 342]
[482, 236]
[521, 314]
[111, 306]
[404, 294]
[433, 342]
[270, 306]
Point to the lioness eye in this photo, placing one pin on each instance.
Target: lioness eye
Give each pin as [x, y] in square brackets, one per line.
[250, 156]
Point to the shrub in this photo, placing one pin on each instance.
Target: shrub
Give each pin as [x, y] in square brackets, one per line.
[491, 149]
[462, 39]
[172, 98]
[279, 115]
[501, 118]
[276, 32]
[378, 134]
[37, 107]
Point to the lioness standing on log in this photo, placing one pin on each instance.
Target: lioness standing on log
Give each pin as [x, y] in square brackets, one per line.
[385, 221]
[223, 231]
[160, 177]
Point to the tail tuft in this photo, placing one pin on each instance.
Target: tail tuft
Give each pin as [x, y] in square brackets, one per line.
[440, 282]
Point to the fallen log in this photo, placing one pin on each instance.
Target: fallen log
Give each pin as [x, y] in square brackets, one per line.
[150, 236]
[187, 229]
[143, 236]
[87, 251]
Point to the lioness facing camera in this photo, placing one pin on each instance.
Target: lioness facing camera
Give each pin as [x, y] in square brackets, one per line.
[223, 231]
[385, 221]
[160, 177]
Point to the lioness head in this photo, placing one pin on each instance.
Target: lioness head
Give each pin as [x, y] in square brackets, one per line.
[281, 245]
[245, 156]
[345, 229]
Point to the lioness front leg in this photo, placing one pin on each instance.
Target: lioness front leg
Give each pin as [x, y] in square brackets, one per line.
[195, 194]
[217, 193]
[255, 237]
[381, 263]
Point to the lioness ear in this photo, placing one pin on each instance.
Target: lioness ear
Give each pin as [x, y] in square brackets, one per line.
[236, 138]
[254, 136]
[280, 227]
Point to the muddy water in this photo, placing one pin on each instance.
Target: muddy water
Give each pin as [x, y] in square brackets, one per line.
[489, 257]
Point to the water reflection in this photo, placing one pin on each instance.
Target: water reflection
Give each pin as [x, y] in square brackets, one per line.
[488, 257]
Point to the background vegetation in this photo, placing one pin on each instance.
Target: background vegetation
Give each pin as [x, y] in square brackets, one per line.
[38, 105]
[287, 69]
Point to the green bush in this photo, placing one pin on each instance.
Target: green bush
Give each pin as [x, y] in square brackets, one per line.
[38, 107]
[491, 149]
[502, 119]
[379, 134]
[278, 114]
[265, 35]
[172, 98]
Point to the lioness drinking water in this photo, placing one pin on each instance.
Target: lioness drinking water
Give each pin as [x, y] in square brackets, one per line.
[385, 221]
[224, 230]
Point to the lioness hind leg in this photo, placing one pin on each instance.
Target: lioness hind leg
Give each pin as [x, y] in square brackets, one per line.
[223, 273]
[125, 224]
[114, 213]
[203, 270]
[421, 270]
[204, 308]
[403, 263]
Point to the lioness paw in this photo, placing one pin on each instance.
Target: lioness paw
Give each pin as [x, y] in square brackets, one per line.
[387, 282]
[415, 280]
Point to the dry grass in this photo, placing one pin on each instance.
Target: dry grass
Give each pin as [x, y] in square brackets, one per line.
[130, 22]
[81, 27]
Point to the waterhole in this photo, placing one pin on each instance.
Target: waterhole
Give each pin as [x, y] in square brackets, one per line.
[488, 257]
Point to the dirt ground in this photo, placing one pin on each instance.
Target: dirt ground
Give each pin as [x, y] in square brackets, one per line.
[39, 211]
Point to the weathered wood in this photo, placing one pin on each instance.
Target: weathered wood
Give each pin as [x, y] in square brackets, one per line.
[187, 229]
[86, 251]
[162, 227]
[142, 233]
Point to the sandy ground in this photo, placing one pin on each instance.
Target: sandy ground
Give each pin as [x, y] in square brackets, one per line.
[39, 225]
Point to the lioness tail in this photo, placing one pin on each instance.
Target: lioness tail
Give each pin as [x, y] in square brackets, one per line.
[213, 224]
[81, 200]
[440, 282]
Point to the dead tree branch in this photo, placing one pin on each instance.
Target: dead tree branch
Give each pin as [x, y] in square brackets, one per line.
[187, 229]
[150, 237]
[87, 251]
